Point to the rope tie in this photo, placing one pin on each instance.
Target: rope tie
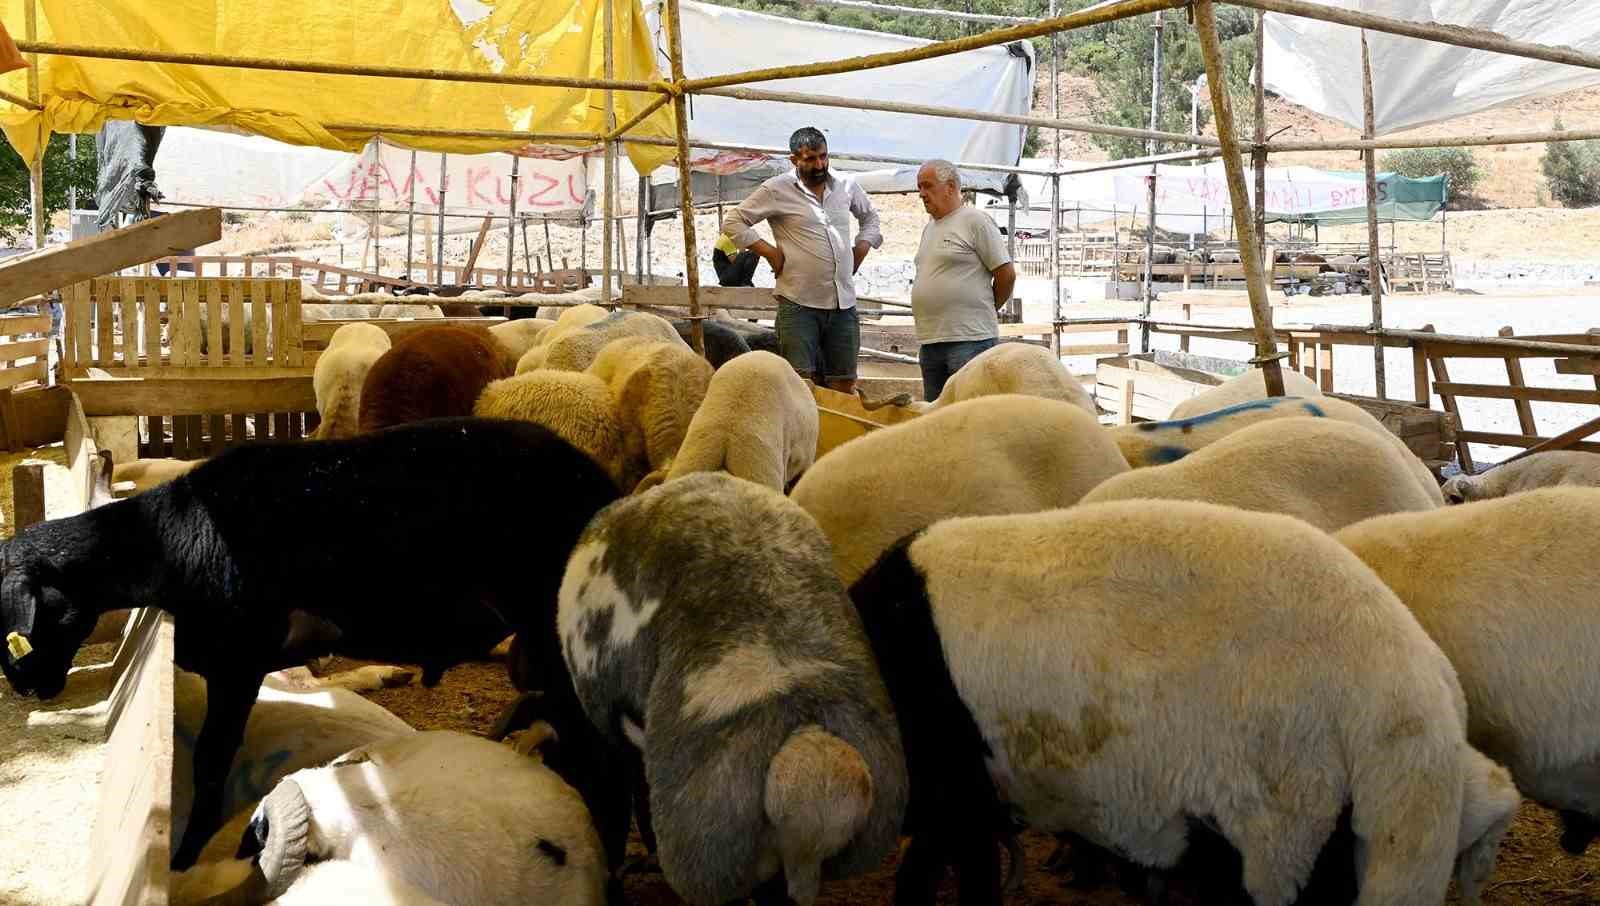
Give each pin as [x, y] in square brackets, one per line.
[673, 88]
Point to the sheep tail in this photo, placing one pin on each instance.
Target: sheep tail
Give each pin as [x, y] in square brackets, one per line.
[1490, 805]
[818, 798]
[1407, 821]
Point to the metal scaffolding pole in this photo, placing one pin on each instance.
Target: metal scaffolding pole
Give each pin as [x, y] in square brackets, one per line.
[609, 162]
[1055, 263]
[1150, 211]
[36, 213]
[1267, 355]
[411, 214]
[438, 261]
[511, 226]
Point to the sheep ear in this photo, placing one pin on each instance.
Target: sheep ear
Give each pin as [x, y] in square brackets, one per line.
[100, 480]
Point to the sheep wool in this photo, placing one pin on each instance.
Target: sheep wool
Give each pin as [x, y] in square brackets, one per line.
[575, 406]
[1552, 468]
[996, 454]
[519, 336]
[340, 371]
[435, 371]
[1117, 669]
[1327, 473]
[1157, 443]
[758, 422]
[1507, 589]
[575, 350]
[1015, 368]
[657, 387]
[1252, 385]
[702, 622]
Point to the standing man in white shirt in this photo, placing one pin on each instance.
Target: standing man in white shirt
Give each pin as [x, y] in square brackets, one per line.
[814, 260]
[964, 277]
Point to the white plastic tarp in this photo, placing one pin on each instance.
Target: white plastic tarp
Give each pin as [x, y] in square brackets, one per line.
[1414, 82]
[718, 40]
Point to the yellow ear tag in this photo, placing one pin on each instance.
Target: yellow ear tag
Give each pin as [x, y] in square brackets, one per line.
[18, 643]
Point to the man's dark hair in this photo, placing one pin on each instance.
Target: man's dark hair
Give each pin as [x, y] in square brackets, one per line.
[807, 137]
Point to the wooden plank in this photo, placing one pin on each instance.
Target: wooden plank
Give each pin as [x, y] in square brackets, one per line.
[105, 304]
[27, 495]
[79, 441]
[1125, 401]
[1521, 395]
[316, 334]
[258, 322]
[81, 323]
[155, 296]
[219, 434]
[275, 298]
[70, 296]
[1441, 375]
[132, 836]
[180, 432]
[241, 432]
[22, 374]
[178, 323]
[1028, 330]
[1419, 377]
[1514, 375]
[194, 396]
[1519, 440]
[19, 325]
[292, 353]
[755, 298]
[236, 324]
[155, 427]
[213, 293]
[1096, 349]
[104, 253]
[131, 289]
[202, 371]
[1325, 367]
[1578, 366]
[41, 414]
[280, 426]
[12, 350]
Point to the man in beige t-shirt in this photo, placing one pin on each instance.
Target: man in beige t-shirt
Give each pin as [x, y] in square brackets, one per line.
[964, 277]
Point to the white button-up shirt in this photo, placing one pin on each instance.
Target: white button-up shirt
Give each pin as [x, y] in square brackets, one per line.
[814, 235]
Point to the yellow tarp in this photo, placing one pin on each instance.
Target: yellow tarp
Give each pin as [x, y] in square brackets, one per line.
[546, 37]
[9, 58]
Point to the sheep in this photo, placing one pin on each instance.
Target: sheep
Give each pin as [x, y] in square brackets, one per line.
[433, 372]
[519, 336]
[144, 474]
[1507, 589]
[657, 388]
[1015, 368]
[722, 342]
[1328, 473]
[289, 729]
[575, 406]
[1540, 470]
[1157, 443]
[566, 320]
[1251, 385]
[575, 350]
[1119, 669]
[701, 622]
[997, 454]
[225, 550]
[446, 815]
[340, 372]
[758, 337]
[758, 422]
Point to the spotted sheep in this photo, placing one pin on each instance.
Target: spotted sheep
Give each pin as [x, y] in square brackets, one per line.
[703, 625]
[1327, 472]
[1119, 670]
[1506, 588]
[265, 556]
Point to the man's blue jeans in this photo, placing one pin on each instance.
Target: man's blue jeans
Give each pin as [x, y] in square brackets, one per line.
[941, 360]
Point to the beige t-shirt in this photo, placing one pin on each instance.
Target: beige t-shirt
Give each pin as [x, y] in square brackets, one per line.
[953, 296]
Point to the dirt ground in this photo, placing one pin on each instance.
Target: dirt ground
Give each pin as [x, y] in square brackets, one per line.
[1532, 868]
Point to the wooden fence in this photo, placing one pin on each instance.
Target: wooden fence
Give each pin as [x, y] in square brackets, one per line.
[335, 280]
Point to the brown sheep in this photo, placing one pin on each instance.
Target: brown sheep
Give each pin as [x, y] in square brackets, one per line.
[433, 372]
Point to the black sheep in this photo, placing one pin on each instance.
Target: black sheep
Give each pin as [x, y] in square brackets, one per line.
[273, 553]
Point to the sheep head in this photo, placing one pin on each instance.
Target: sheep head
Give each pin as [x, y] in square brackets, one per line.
[42, 627]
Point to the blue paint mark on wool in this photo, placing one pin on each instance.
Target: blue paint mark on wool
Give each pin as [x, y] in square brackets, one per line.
[1188, 424]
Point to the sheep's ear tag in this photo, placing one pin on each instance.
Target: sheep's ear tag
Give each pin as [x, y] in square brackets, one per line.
[19, 646]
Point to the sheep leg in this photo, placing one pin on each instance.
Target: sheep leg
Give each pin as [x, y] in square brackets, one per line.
[229, 699]
[1577, 831]
[978, 864]
[641, 802]
[922, 867]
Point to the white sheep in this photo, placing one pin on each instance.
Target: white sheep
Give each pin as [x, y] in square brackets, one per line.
[997, 454]
[575, 349]
[1540, 470]
[520, 335]
[1116, 670]
[1328, 473]
[1015, 368]
[702, 623]
[340, 371]
[574, 405]
[657, 387]
[1158, 443]
[758, 422]
[566, 320]
[1252, 385]
[1507, 589]
[289, 728]
[453, 817]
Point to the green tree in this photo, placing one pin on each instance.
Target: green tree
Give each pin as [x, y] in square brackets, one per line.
[1572, 170]
[61, 174]
[1458, 164]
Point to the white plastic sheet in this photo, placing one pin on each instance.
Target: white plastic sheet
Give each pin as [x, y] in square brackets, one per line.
[1414, 82]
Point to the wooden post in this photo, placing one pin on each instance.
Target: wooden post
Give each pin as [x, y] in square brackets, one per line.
[610, 158]
[438, 274]
[511, 227]
[1374, 260]
[35, 167]
[411, 213]
[691, 261]
[642, 209]
[1150, 210]
[1055, 261]
[27, 494]
[1222, 105]
[1259, 155]
[1514, 378]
